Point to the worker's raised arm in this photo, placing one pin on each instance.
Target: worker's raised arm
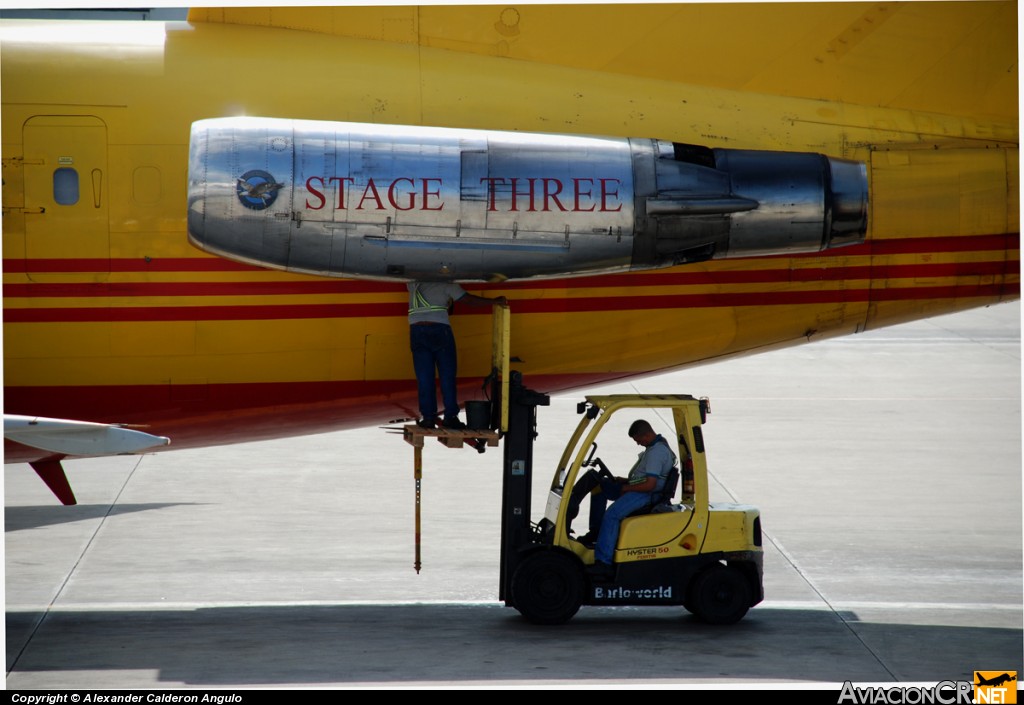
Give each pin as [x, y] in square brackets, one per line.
[474, 300]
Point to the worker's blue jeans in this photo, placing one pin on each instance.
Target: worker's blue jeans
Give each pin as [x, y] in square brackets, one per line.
[610, 518]
[433, 346]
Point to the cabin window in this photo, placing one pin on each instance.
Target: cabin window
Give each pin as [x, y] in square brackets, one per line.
[65, 186]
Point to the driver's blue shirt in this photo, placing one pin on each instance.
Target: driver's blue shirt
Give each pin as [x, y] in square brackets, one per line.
[656, 460]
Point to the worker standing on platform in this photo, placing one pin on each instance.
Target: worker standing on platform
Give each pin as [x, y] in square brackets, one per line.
[433, 346]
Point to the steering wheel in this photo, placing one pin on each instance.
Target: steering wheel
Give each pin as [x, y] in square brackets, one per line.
[591, 461]
[602, 469]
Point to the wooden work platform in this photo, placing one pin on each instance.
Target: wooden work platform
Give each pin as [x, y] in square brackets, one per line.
[414, 436]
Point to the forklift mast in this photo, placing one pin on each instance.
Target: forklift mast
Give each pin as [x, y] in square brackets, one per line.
[517, 476]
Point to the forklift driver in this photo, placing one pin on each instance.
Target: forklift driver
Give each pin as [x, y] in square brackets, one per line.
[629, 494]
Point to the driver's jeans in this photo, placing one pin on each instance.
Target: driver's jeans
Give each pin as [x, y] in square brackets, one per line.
[609, 518]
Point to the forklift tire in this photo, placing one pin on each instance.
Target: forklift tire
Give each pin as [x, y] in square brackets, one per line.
[719, 595]
[547, 587]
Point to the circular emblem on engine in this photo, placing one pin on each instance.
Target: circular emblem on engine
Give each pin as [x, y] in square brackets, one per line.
[257, 189]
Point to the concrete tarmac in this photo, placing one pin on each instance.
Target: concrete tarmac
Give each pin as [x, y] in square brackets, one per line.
[887, 467]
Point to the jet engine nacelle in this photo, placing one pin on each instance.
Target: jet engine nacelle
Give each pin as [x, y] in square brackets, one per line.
[399, 202]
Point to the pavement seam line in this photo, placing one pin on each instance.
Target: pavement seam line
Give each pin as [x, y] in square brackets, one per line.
[56, 596]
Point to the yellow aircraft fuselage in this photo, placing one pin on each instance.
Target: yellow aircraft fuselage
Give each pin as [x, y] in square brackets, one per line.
[110, 315]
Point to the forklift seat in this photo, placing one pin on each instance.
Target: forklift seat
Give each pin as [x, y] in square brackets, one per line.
[658, 524]
[662, 502]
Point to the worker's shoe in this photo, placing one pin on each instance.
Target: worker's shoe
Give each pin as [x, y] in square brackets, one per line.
[601, 571]
[426, 423]
[454, 424]
[588, 539]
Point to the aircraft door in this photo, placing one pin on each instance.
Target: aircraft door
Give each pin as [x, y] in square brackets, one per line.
[66, 198]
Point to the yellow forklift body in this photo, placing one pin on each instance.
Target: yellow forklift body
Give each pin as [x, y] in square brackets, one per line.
[731, 528]
[691, 526]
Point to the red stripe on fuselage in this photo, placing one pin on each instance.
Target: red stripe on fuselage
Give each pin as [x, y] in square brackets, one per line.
[326, 287]
[202, 313]
[246, 288]
[544, 305]
[720, 277]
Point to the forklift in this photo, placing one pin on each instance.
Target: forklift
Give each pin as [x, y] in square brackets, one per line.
[681, 550]
[684, 550]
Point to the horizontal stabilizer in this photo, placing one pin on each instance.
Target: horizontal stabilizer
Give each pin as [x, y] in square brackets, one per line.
[78, 438]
